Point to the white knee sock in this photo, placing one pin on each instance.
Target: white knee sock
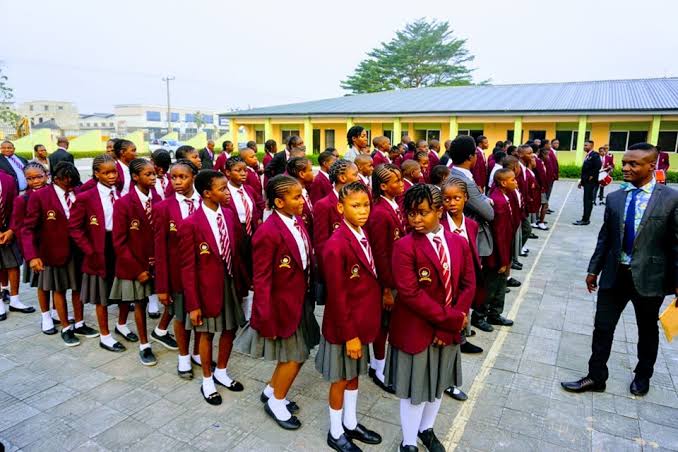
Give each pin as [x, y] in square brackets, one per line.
[16, 303]
[123, 329]
[47, 322]
[410, 419]
[279, 408]
[184, 363]
[222, 376]
[196, 358]
[336, 429]
[153, 303]
[2, 307]
[351, 408]
[381, 364]
[428, 417]
[107, 340]
[268, 391]
[208, 386]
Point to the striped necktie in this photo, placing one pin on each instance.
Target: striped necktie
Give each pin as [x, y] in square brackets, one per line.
[370, 258]
[191, 206]
[306, 245]
[224, 243]
[149, 210]
[446, 269]
[248, 212]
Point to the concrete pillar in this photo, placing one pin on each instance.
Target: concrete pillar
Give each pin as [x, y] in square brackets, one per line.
[454, 128]
[517, 131]
[308, 135]
[268, 130]
[653, 136]
[233, 132]
[397, 131]
[581, 137]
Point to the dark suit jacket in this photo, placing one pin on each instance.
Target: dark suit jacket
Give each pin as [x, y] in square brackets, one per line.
[7, 167]
[60, 155]
[591, 168]
[207, 161]
[479, 208]
[277, 165]
[654, 266]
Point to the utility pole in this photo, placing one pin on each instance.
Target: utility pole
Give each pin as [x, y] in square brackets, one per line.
[169, 114]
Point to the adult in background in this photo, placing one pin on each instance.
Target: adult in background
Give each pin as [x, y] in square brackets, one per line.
[480, 169]
[279, 161]
[637, 259]
[207, 155]
[13, 164]
[433, 153]
[61, 154]
[607, 166]
[555, 144]
[553, 164]
[358, 143]
[663, 164]
[589, 181]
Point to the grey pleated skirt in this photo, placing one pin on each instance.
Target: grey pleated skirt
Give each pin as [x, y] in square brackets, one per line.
[29, 276]
[293, 348]
[231, 316]
[95, 290]
[178, 309]
[335, 365]
[59, 279]
[10, 257]
[423, 377]
[129, 291]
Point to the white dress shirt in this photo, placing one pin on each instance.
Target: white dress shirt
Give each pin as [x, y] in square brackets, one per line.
[126, 179]
[304, 193]
[143, 198]
[465, 172]
[158, 185]
[324, 174]
[183, 205]
[359, 235]
[289, 222]
[212, 220]
[392, 203]
[105, 197]
[464, 232]
[61, 194]
[441, 234]
[366, 180]
[495, 168]
[237, 201]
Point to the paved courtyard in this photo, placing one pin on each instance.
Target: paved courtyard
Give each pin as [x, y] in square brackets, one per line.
[83, 398]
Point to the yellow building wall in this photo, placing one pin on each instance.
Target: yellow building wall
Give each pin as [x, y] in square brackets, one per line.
[600, 133]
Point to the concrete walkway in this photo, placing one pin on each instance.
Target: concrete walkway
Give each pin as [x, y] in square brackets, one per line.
[85, 398]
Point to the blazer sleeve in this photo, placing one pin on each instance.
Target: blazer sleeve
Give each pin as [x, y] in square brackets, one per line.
[160, 237]
[119, 235]
[18, 213]
[188, 266]
[321, 230]
[32, 223]
[466, 289]
[479, 204]
[380, 236]
[333, 271]
[417, 300]
[603, 245]
[263, 250]
[76, 225]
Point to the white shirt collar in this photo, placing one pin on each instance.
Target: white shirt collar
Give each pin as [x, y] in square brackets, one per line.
[440, 234]
[358, 235]
[393, 204]
[61, 193]
[289, 222]
[463, 223]
[324, 174]
[365, 179]
[181, 197]
[104, 190]
[464, 171]
[209, 213]
[234, 188]
[336, 193]
[143, 198]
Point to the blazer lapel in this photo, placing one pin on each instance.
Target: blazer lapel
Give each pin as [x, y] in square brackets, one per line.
[209, 236]
[428, 250]
[289, 238]
[652, 203]
[57, 202]
[231, 234]
[356, 246]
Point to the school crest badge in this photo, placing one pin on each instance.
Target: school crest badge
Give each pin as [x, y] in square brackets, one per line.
[304, 218]
[204, 248]
[134, 225]
[93, 221]
[396, 234]
[424, 274]
[285, 262]
[51, 215]
[335, 226]
[355, 272]
[172, 226]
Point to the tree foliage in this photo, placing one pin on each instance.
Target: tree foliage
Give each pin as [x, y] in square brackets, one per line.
[424, 53]
[7, 114]
[198, 119]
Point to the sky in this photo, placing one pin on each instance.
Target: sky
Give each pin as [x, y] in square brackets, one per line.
[227, 54]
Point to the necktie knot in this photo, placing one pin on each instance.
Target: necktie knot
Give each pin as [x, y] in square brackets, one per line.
[458, 231]
[191, 206]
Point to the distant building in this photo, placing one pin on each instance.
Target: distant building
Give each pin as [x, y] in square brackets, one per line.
[152, 119]
[98, 121]
[63, 114]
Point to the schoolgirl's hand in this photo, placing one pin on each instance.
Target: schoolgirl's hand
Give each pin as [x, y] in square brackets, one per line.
[196, 317]
[164, 299]
[36, 265]
[6, 237]
[438, 342]
[144, 277]
[354, 348]
[465, 321]
[388, 300]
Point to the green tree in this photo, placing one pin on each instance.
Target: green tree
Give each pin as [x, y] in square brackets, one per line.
[7, 114]
[424, 53]
[199, 120]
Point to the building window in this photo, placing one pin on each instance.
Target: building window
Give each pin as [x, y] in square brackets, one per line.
[389, 134]
[668, 141]
[30, 107]
[110, 124]
[568, 139]
[153, 116]
[87, 124]
[329, 138]
[259, 136]
[174, 117]
[621, 140]
[96, 124]
[432, 135]
[286, 134]
[537, 135]
[189, 117]
[60, 107]
[209, 119]
[46, 108]
[316, 141]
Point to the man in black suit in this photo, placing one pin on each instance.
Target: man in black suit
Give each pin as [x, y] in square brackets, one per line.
[207, 155]
[13, 164]
[637, 259]
[61, 154]
[589, 181]
[279, 161]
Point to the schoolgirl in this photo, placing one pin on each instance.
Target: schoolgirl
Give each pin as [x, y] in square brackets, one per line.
[125, 151]
[301, 169]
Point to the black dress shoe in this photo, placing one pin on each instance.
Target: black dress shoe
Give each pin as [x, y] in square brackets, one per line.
[583, 385]
[516, 266]
[5, 295]
[48, 332]
[601, 202]
[549, 211]
[235, 386]
[212, 399]
[383, 386]
[640, 386]
[147, 357]
[471, 333]
[116, 348]
[3, 316]
[26, 310]
[86, 331]
[403, 448]
[456, 395]
[512, 282]
[185, 374]
[468, 347]
[521, 254]
[292, 407]
[581, 223]
[291, 424]
[362, 434]
[499, 320]
[131, 337]
[342, 444]
[532, 236]
[431, 441]
[166, 341]
[508, 290]
[69, 338]
[482, 325]
[154, 315]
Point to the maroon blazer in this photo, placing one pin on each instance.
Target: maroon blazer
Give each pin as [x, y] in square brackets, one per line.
[9, 194]
[90, 184]
[542, 177]
[202, 269]
[348, 273]
[608, 160]
[120, 181]
[280, 282]
[320, 188]
[472, 232]
[45, 229]
[379, 159]
[433, 158]
[502, 233]
[307, 218]
[87, 228]
[479, 170]
[553, 158]
[253, 181]
[257, 212]
[663, 162]
[534, 198]
[220, 163]
[419, 313]
[516, 210]
[16, 224]
[384, 228]
[132, 236]
[267, 159]
[167, 221]
[326, 219]
[397, 161]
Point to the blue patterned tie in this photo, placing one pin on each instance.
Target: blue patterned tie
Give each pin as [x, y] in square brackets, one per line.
[630, 224]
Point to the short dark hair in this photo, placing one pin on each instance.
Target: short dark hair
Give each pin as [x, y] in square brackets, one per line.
[462, 148]
[438, 174]
[325, 156]
[183, 150]
[205, 179]
[480, 139]
[252, 145]
[642, 147]
[161, 158]
[589, 141]
[352, 133]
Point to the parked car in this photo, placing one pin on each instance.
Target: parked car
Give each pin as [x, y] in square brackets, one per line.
[168, 145]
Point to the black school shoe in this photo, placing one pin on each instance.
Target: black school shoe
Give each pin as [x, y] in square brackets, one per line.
[185, 374]
[86, 331]
[48, 332]
[291, 424]
[166, 341]
[115, 348]
[131, 337]
[382, 385]
[3, 317]
[235, 386]
[147, 357]
[342, 444]
[362, 434]
[468, 347]
[154, 315]
[404, 448]
[499, 320]
[26, 310]
[292, 407]
[5, 295]
[69, 338]
[482, 325]
[456, 395]
[431, 441]
[512, 282]
[212, 399]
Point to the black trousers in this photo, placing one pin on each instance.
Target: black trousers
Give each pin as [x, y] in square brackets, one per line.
[526, 230]
[611, 303]
[495, 288]
[589, 197]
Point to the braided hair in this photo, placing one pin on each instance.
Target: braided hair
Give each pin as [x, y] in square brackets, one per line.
[381, 175]
[456, 182]
[339, 168]
[419, 193]
[183, 151]
[232, 161]
[120, 145]
[420, 155]
[188, 164]
[67, 171]
[296, 165]
[34, 165]
[353, 187]
[136, 166]
[161, 158]
[277, 187]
